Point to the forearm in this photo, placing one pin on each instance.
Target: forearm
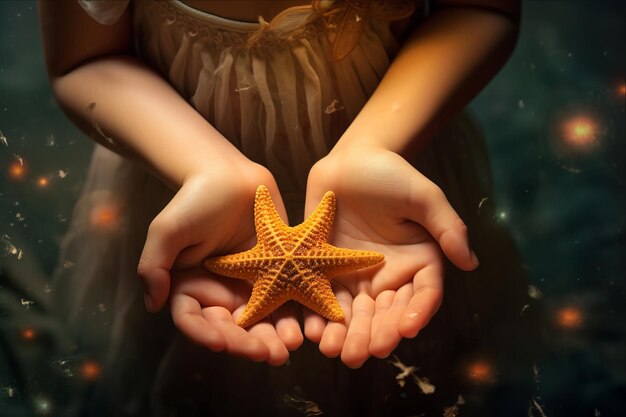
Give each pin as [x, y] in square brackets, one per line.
[440, 68]
[144, 116]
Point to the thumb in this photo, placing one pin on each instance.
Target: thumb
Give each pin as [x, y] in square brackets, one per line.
[163, 244]
[429, 207]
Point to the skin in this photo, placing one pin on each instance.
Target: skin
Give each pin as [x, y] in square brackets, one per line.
[400, 213]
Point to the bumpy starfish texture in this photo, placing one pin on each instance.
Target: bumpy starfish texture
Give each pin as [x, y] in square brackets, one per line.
[291, 263]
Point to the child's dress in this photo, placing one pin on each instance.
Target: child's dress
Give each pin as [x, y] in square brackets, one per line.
[283, 92]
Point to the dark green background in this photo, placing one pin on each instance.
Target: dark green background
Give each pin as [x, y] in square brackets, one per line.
[567, 212]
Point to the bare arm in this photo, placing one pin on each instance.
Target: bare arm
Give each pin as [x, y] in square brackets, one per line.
[92, 63]
[388, 206]
[441, 67]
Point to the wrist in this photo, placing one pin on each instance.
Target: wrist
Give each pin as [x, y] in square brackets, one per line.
[354, 147]
[231, 173]
[354, 140]
[209, 164]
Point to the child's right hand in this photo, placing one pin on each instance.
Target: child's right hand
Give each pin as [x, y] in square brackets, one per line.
[211, 215]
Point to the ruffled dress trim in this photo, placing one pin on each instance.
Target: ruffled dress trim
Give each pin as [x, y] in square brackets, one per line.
[105, 12]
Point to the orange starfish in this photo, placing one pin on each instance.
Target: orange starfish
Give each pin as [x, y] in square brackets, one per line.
[291, 263]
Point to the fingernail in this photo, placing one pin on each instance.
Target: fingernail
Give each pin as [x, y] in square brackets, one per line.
[148, 302]
[474, 258]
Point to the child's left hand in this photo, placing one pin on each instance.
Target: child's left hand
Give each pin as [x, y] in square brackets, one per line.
[384, 205]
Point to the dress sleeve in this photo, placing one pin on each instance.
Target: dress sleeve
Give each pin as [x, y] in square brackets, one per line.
[105, 12]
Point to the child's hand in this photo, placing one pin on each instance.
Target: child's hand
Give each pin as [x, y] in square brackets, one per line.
[205, 307]
[211, 214]
[384, 205]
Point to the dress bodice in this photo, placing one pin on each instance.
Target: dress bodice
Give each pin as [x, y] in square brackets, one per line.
[271, 88]
[282, 91]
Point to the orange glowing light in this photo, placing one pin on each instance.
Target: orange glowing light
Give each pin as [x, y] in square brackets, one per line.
[29, 334]
[90, 370]
[569, 317]
[481, 372]
[17, 170]
[622, 89]
[580, 131]
[43, 182]
[104, 216]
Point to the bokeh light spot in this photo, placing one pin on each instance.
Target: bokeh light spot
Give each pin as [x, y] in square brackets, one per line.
[569, 317]
[580, 131]
[480, 371]
[104, 216]
[17, 171]
[90, 370]
[43, 406]
[29, 334]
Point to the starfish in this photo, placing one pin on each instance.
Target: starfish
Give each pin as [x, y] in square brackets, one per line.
[291, 263]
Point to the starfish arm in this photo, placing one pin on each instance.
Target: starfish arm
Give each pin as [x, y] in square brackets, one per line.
[316, 227]
[313, 290]
[244, 265]
[333, 261]
[271, 231]
[268, 294]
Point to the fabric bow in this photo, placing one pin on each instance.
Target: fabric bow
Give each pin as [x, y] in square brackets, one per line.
[351, 16]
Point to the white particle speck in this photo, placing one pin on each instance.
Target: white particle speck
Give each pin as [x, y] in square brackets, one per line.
[3, 139]
[9, 390]
[424, 385]
[10, 248]
[537, 407]
[333, 107]
[481, 202]
[26, 303]
[405, 370]
[534, 292]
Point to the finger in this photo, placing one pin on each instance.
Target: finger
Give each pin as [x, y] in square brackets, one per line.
[266, 332]
[210, 289]
[335, 332]
[355, 350]
[386, 337]
[163, 243]
[314, 325]
[429, 207]
[287, 326]
[238, 341]
[225, 301]
[383, 302]
[425, 301]
[188, 318]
